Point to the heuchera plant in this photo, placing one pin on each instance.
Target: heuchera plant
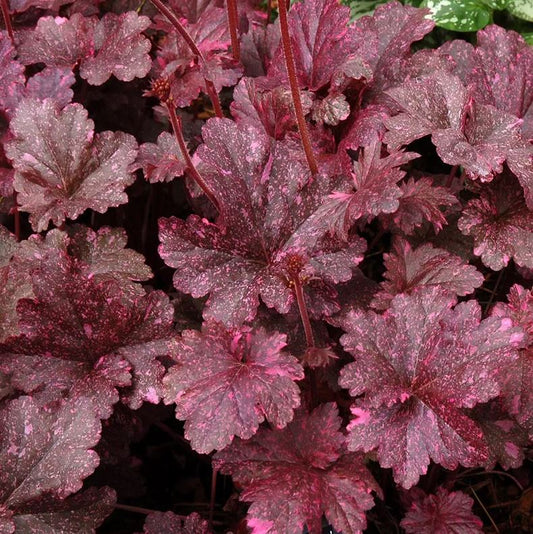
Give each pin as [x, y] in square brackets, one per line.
[297, 232]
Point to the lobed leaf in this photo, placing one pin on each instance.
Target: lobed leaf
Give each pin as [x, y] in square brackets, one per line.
[295, 475]
[419, 365]
[61, 167]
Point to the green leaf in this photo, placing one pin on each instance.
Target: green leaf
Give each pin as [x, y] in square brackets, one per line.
[459, 15]
[496, 4]
[523, 9]
[528, 37]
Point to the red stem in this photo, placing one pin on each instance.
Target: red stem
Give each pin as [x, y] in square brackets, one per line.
[304, 314]
[295, 91]
[16, 216]
[196, 176]
[171, 16]
[7, 20]
[233, 22]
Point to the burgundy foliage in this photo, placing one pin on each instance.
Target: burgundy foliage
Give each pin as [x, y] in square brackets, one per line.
[183, 294]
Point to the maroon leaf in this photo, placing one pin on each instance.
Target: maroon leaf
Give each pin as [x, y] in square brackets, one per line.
[163, 161]
[119, 48]
[52, 83]
[476, 136]
[373, 189]
[518, 384]
[170, 523]
[43, 451]
[227, 382]
[410, 269]
[83, 337]
[500, 68]
[322, 41]
[271, 110]
[187, 72]
[420, 202]
[62, 167]
[501, 225]
[505, 438]
[418, 366]
[80, 514]
[295, 475]
[265, 235]
[12, 74]
[99, 256]
[58, 41]
[395, 27]
[111, 45]
[442, 513]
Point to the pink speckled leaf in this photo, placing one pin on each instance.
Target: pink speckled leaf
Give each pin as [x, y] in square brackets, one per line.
[421, 202]
[58, 41]
[226, 383]
[476, 136]
[113, 45]
[501, 225]
[372, 190]
[88, 337]
[445, 512]
[295, 475]
[408, 270]
[77, 514]
[386, 38]
[43, 451]
[268, 231]
[506, 439]
[429, 104]
[518, 384]
[11, 74]
[269, 109]
[118, 48]
[419, 365]
[62, 167]
[161, 161]
[500, 68]
[170, 523]
[322, 41]
[187, 73]
[52, 82]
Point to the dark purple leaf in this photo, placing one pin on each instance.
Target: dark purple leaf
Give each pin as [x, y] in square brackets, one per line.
[395, 27]
[295, 475]
[518, 384]
[372, 190]
[62, 167]
[45, 452]
[118, 48]
[408, 270]
[226, 383]
[500, 69]
[12, 75]
[58, 41]
[442, 513]
[161, 162]
[505, 438]
[53, 83]
[271, 110]
[78, 514]
[187, 73]
[87, 338]
[421, 202]
[266, 234]
[419, 365]
[476, 136]
[501, 225]
[170, 523]
[322, 41]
